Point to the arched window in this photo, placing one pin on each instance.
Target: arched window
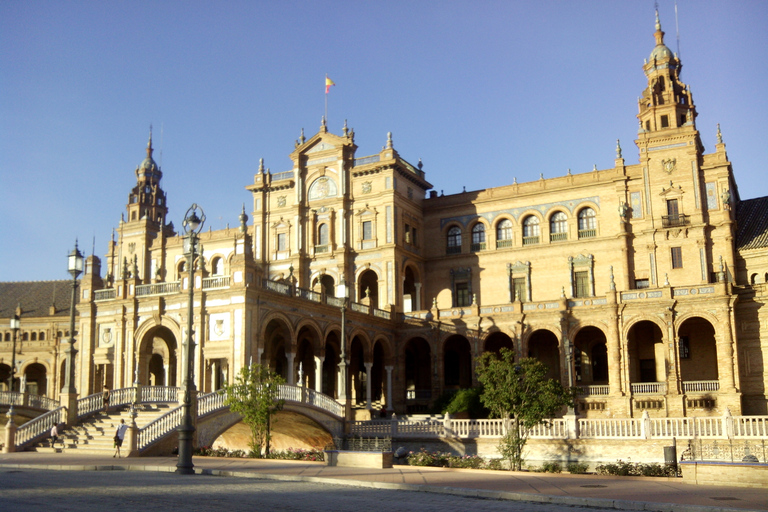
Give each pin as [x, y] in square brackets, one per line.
[217, 266]
[531, 230]
[322, 234]
[454, 240]
[558, 227]
[478, 237]
[587, 223]
[34, 336]
[504, 234]
[42, 336]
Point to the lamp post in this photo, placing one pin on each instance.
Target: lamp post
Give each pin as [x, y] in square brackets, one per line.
[15, 325]
[343, 360]
[69, 390]
[192, 225]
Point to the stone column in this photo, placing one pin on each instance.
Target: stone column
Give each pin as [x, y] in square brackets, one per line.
[613, 347]
[319, 373]
[290, 380]
[417, 305]
[724, 349]
[389, 388]
[368, 367]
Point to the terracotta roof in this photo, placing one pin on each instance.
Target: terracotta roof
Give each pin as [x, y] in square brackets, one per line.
[752, 224]
[35, 298]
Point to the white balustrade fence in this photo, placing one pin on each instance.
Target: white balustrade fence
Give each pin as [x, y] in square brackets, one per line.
[40, 426]
[160, 427]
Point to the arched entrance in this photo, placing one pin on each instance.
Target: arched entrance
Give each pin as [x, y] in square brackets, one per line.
[647, 362]
[276, 340]
[324, 283]
[357, 375]
[411, 295]
[494, 342]
[331, 365]
[368, 288]
[590, 357]
[5, 374]
[158, 358]
[36, 379]
[457, 363]
[543, 345]
[305, 357]
[378, 373]
[418, 375]
[697, 349]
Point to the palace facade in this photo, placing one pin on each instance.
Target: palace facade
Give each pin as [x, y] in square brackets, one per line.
[642, 284]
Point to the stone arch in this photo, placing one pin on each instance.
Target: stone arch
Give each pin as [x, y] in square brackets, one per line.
[36, 376]
[495, 341]
[158, 352]
[411, 288]
[646, 351]
[457, 362]
[367, 289]
[590, 355]
[417, 374]
[544, 345]
[308, 347]
[697, 349]
[278, 340]
[359, 354]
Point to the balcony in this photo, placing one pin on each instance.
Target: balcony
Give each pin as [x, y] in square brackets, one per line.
[530, 240]
[503, 244]
[477, 247]
[701, 386]
[587, 233]
[144, 290]
[319, 249]
[453, 250]
[558, 237]
[674, 221]
[649, 388]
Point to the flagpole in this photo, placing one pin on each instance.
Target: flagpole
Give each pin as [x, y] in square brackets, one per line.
[326, 98]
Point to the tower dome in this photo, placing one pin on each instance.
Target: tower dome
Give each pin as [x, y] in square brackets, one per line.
[148, 170]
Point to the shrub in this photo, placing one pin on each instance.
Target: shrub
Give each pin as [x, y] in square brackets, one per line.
[621, 468]
[552, 467]
[577, 468]
[466, 461]
[298, 454]
[495, 465]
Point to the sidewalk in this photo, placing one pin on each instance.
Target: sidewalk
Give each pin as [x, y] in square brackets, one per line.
[622, 493]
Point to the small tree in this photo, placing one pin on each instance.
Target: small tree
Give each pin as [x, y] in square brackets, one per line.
[521, 391]
[254, 396]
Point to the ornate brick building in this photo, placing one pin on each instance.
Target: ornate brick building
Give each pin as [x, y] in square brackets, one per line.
[643, 284]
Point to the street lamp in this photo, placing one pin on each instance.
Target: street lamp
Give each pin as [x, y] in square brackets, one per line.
[15, 325]
[75, 268]
[193, 224]
[343, 362]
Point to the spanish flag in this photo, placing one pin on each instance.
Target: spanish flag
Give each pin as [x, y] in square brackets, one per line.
[328, 84]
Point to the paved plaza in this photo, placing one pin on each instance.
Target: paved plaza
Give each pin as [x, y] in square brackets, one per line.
[52, 482]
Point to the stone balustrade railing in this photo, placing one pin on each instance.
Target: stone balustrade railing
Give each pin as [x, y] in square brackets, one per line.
[40, 426]
[725, 427]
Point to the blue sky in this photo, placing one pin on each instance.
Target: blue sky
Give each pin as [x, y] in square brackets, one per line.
[482, 92]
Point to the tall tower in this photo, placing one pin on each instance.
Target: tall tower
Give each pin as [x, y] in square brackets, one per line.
[666, 104]
[144, 228]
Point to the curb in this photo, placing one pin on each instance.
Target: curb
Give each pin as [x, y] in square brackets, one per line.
[457, 491]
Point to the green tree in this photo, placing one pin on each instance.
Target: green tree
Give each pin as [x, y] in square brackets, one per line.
[254, 396]
[521, 391]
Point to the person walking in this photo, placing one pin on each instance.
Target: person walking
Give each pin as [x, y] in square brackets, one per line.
[55, 436]
[105, 400]
[119, 436]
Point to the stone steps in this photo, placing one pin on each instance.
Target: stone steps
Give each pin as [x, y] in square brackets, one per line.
[96, 434]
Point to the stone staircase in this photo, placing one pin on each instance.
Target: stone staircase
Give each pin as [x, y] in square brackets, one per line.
[95, 435]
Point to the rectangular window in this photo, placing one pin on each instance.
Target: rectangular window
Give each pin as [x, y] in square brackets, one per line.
[462, 294]
[367, 230]
[665, 121]
[407, 234]
[641, 284]
[677, 257]
[521, 291]
[672, 208]
[413, 237]
[282, 242]
[581, 280]
[685, 347]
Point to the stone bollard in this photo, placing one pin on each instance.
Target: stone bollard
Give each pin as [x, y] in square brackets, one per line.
[132, 435]
[10, 433]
